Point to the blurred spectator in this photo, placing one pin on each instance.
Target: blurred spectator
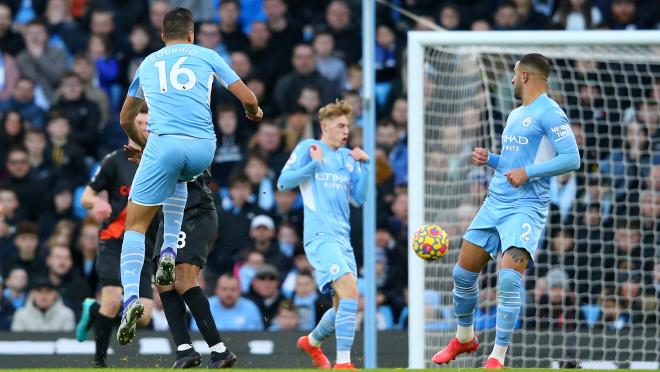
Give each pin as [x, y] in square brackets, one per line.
[86, 71]
[486, 313]
[139, 50]
[202, 10]
[556, 308]
[87, 245]
[563, 190]
[232, 33]
[234, 217]
[285, 211]
[310, 100]
[64, 155]
[354, 99]
[16, 287]
[208, 35]
[284, 32]
[40, 62]
[63, 28]
[610, 315]
[12, 212]
[26, 255]
[386, 53]
[300, 266]
[267, 59]
[22, 100]
[628, 251]
[287, 318]
[288, 87]
[506, 17]
[231, 144]
[35, 143]
[6, 310]
[262, 233]
[653, 180]
[8, 75]
[12, 132]
[449, 17]
[328, 65]
[399, 220]
[83, 115]
[246, 268]
[102, 24]
[529, 18]
[338, 21]
[44, 311]
[265, 292]
[157, 11]
[241, 63]
[299, 125]
[10, 41]
[262, 182]
[232, 312]
[577, 15]
[30, 193]
[71, 285]
[623, 15]
[481, 25]
[267, 142]
[288, 239]
[107, 68]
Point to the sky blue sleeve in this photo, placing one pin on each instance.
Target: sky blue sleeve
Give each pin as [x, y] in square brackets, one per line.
[360, 181]
[222, 71]
[135, 89]
[298, 168]
[556, 127]
[493, 160]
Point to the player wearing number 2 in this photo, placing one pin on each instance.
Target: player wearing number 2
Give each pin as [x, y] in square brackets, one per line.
[537, 143]
[176, 84]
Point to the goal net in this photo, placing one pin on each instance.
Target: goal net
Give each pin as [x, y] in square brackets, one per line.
[591, 299]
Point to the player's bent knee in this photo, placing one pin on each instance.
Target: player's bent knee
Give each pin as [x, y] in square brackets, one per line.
[346, 287]
[516, 259]
[463, 277]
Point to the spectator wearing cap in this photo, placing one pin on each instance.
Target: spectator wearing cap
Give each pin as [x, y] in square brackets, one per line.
[262, 233]
[22, 100]
[44, 311]
[231, 312]
[6, 310]
[40, 62]
[265, 292]
[26, 241]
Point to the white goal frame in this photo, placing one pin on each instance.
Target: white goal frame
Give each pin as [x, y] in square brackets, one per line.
[417, 41]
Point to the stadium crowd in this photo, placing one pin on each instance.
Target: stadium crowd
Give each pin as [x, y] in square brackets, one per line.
[65, 66]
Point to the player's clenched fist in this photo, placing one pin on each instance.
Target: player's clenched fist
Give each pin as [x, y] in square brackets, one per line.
[101, 209]
[316, 152]
[256, 116]
[479, 156]
[517, 177]
[358, 154]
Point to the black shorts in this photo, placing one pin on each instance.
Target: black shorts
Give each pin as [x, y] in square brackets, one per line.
[198, 232]
[108, 266]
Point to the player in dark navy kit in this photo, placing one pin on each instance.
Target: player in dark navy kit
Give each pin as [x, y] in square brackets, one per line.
[198, 233]
[114, 176]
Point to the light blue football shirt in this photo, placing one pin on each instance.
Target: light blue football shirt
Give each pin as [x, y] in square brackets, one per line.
[326, 187]
[539, 138]
[176, 84]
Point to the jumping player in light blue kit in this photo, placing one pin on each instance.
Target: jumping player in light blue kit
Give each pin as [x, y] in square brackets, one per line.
[328, 176]
[175, 82]
[537, 143]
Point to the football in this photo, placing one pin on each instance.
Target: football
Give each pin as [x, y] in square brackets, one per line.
[430, 242]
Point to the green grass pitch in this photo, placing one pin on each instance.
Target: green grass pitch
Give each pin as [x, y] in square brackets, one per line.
[294, 370]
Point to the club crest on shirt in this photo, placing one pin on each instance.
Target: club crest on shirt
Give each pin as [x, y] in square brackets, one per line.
[527, 121]
[334, 269]
[349, 166]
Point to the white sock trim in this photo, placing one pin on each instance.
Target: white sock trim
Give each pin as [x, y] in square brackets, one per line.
[219, 347]
[313, 341]
[184, 347]
[499, 352]
[343, 357]
[464, 334]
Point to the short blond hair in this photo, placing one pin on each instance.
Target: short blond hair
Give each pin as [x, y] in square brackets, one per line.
[335, 109]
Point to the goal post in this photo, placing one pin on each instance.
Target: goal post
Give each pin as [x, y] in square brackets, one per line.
[459, 95]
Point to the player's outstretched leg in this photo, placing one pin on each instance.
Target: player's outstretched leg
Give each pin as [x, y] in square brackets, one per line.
[471, 261]
[173, 209]
[132, 258]
[311, 344]
[509, 303]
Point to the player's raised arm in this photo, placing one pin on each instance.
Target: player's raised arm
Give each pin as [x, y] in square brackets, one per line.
[302, 164]
[558, 130]
[130, 110]
[360, 175]
[230, 80]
